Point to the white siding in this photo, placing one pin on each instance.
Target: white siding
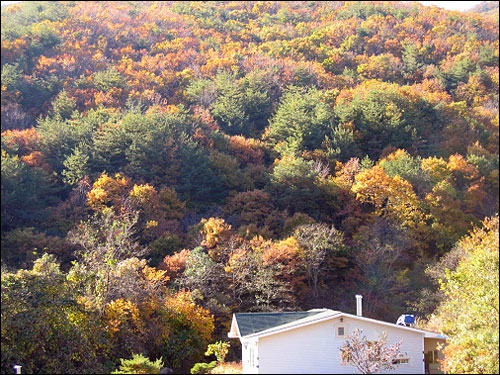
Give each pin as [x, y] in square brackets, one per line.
[315, 348]
[249, 357]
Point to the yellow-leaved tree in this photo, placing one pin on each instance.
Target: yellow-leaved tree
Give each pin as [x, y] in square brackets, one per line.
[469, 312]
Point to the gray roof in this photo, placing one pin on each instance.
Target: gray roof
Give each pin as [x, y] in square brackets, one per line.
[258, 324]
[250, 323]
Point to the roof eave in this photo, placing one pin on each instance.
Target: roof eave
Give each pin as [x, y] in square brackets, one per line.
[337, 314]
[427, 334]
[291, 325]
[234, 333]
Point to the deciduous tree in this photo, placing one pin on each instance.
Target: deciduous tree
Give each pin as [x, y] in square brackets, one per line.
[469, 312]
[369, 357]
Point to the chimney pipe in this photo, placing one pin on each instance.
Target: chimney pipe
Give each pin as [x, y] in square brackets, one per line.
[359, 305]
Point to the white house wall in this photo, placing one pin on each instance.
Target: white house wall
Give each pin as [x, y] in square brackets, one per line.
[315, 348]
[248, 348]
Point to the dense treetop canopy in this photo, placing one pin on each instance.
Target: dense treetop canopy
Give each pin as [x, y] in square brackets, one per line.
[180, 161]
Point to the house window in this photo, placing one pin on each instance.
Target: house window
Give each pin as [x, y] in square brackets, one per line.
[432, 356]
[346, 358]
[400, 361]
[340, 331]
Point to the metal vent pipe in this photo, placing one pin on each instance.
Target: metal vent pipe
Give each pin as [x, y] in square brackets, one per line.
[359, 305]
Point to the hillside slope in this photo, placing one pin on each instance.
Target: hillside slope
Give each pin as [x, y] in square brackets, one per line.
[264, 155]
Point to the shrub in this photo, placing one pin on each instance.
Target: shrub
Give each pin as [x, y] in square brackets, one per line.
[220, 349]
[203, 368]
[139, 365]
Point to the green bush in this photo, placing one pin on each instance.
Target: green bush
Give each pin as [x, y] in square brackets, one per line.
[220, 349]
[203, 368]
[139, 365]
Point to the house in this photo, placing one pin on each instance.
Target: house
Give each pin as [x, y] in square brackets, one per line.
[309, 342]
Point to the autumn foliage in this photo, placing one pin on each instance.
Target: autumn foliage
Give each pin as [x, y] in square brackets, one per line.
[187, 160]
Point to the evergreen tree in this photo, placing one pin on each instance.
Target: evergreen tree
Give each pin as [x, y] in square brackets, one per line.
[301, 121]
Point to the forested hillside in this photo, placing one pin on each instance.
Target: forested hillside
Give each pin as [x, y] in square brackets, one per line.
[165, 164]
